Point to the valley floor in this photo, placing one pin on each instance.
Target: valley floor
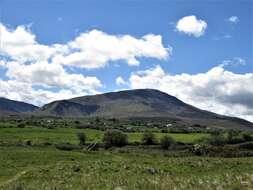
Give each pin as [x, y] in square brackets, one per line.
[30, 160]
[33, 168]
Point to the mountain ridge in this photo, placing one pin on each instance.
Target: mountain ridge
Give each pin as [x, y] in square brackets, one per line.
[13, 106]
[138, 103]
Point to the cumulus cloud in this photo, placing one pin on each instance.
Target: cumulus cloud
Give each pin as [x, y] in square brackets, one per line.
[233, 19]
[95, 49]
[34, 70]
[50, 75]
[21, 45]
[120, 81]
[23, 91]
[217, 90]
[191, 25]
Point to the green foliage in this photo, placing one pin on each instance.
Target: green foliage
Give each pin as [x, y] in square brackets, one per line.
[234, 137]
[166, 142]
[164, 131]
[115, 138]
[148, 138]
[217, 139]
[82, 138]
[21, 125]
[247, 136]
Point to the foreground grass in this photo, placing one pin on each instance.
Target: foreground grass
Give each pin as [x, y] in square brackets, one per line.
[48, 168]
[13, 135]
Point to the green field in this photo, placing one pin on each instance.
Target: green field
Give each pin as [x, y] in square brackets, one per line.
[48, 168]
[64, 135]
[42, 167]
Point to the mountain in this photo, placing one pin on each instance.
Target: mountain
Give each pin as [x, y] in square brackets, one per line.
[140, 103]
[12, 106]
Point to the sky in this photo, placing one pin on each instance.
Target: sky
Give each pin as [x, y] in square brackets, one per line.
[199, 51]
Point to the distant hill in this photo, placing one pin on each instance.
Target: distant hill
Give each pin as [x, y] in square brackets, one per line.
[8, 106]
[140, 103]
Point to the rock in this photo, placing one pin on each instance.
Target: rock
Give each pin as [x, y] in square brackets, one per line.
[152, 171]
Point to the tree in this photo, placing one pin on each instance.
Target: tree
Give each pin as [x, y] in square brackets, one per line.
[115, 138]
[148, 138]
[166, 142]
[82, 138]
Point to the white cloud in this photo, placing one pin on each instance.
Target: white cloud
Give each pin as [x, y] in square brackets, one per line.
[21, 45]
[191, 25]
[35, 71]
[89, 50]
[217, 90]
[50, 75]
[95, 49]
[236, 61]
[120, 81]
[22, 91]
[233, 19]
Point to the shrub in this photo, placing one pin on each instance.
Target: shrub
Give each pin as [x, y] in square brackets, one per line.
[164, 131]
[115, 138]
[247, 136]
[21, 125]
[217, 139]
[148, 138]
[166, 142]
[28, 142]
[82, 138]
[234, 137]
[199, 149]
[77, 122]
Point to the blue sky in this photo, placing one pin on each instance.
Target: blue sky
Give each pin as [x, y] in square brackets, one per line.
[223, 40]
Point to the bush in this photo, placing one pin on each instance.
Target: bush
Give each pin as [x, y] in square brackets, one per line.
[164, 131]
[28, 142]
[234, 137]
[217, 139]
[21, 125]
[247, 136]
[77, 122]
[82, 138]
[148, 138]
[115, 138]
[166, 142]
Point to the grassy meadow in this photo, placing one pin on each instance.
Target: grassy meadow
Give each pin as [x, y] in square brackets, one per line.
[48, 168]
[42, 166]
[39, 135]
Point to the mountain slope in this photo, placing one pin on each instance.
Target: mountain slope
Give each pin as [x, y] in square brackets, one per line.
[12, 106]
[141, 103]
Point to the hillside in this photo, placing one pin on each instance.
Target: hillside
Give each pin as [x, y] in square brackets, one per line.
[12, 106]
[141, 103]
